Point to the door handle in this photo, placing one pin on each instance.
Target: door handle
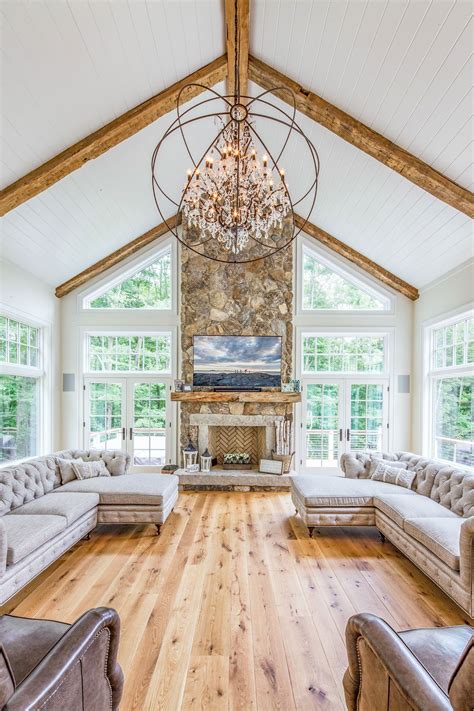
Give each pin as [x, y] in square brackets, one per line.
[340, 435]
[131, 432]
[348, 434]
[123, 433]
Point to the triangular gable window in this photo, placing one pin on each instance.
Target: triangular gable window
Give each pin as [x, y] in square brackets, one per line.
[330, 288]
[147, 288]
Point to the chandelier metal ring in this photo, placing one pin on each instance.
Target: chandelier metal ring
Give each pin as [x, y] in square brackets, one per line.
[236, 207]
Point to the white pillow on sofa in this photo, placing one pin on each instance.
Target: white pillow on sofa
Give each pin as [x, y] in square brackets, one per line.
[393, 475]
[89, 470]
[66, 470]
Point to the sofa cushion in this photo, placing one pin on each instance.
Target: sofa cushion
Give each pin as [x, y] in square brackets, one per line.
[318, 490]
[447, 485]
[27, 533]
[72, 506]
[89, 470]
[116, 461]
[399, 507]
[24, 482]
[139, 489]
[440, 535]
[7, 680]
[66, 470]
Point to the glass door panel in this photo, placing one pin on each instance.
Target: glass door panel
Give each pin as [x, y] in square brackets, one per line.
[322, 428]
[148, 433]
[367, 426]
[105, 414]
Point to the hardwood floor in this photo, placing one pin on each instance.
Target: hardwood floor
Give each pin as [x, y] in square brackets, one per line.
[233, 606]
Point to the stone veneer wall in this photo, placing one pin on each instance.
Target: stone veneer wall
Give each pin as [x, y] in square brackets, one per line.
[254, 299]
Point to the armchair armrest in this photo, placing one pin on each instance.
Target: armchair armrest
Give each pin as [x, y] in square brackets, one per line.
[381, 666]
[80, 671]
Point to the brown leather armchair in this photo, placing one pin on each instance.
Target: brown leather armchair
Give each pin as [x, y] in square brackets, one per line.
[55, 666]
[421, 670]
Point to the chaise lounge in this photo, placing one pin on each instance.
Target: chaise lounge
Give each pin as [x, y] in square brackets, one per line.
[432, 523]
[41, 517]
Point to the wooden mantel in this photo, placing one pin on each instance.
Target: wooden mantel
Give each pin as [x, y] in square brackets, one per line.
[237, 396]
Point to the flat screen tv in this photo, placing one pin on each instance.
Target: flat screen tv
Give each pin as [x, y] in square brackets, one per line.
[241, 362]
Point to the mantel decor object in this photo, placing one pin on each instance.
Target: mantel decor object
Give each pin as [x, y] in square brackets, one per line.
[206, 461]
[190, 454]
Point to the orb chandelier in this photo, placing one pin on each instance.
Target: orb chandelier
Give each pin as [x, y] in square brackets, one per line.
[236, 205]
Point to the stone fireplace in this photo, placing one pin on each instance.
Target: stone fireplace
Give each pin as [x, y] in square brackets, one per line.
[255, 434]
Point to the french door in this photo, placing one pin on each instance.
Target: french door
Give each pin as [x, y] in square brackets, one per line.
[341, 415]
[130, 413]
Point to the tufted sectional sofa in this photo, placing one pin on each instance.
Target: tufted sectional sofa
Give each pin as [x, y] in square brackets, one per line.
[41, 518]
[432, 523]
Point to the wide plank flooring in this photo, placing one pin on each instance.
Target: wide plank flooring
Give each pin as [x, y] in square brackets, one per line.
[233, 606]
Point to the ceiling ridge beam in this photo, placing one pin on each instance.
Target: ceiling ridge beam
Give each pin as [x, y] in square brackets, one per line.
[241, 16]
[342, 249]
[364, 138]
[360, 260]
[120, 254]
[110, 135]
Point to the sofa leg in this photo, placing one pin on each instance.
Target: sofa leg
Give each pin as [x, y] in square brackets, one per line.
[310, 531]
[158, 528]
[382, 537]
[87, 537]
[296, 512]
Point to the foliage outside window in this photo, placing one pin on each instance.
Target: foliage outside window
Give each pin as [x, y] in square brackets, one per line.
[453, 345]
[19, 407]
[343, 354]
[118, 353]
[452, 385]
[325, 289]
[149, 288]
[19, 343]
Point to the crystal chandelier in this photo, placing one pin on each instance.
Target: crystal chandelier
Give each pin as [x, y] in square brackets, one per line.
[236, 205]
[234, 198]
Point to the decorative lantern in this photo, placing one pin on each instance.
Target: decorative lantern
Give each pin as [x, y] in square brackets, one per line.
[206, 461]
[190, 455]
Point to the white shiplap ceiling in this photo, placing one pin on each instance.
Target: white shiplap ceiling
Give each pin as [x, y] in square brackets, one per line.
[403, 68]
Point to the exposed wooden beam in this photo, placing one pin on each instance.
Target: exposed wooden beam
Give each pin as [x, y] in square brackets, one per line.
[370, 267]
[242, 46]
[108, 136]
[116, 257]
[364, 138]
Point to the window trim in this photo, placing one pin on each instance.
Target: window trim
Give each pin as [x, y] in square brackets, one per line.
[344, 270]
[111, 331]
[43, 375]
[122, 272]
[431, 375]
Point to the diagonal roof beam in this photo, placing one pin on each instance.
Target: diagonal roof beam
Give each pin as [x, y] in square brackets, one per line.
[237, 11]
[360, 260]
[108, 136]
[364, 138]
[375, 270]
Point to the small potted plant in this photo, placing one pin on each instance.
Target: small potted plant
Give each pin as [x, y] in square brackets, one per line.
[237, 460]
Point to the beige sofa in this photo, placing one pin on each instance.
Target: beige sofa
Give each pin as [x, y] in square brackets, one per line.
[432, 523]
[41, 518]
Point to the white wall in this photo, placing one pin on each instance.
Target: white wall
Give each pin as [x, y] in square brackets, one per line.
[439, 300]
[23, 295]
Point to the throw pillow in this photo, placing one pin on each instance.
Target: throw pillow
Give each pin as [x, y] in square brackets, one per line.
[375, 461]
[90, 470]
[65, 467]
[393, 475]
[7, 682]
